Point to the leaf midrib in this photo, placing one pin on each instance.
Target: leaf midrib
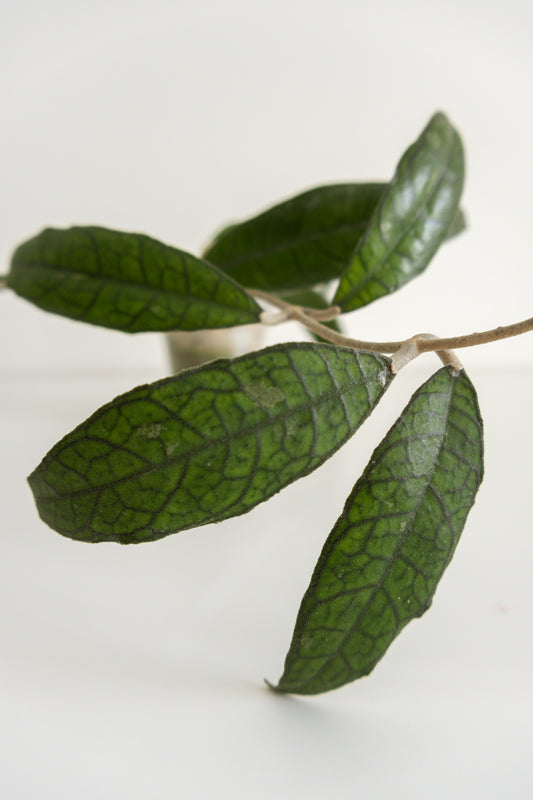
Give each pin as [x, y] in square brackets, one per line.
[370, 274]
[407, 530]
[213, 443]
[106, 280]
[301, 238]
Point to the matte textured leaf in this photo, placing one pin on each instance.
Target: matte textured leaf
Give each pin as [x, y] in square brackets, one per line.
[208, 444]
[411, 220]
[304, 241]
[126, 281]
[381, 564]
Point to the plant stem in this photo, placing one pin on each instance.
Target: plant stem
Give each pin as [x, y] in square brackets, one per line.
[425, 343]
[483, 337]
[3, 281]
[410, 349]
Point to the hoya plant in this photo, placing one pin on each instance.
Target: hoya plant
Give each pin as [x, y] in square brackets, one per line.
[217, 439]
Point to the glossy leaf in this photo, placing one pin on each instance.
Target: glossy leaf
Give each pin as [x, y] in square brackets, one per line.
[411, 220]
[381, 564]
[208, 444]
[126, 281]
[304, 241]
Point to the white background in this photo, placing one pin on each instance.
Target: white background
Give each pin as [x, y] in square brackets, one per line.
[136, 672]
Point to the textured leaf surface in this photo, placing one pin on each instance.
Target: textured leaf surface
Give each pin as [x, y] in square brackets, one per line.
[208, 444]
[126, 281]
[382, 562]
[411, 220]
[301, 242]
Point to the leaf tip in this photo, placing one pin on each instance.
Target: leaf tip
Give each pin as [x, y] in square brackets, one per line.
[277, 688]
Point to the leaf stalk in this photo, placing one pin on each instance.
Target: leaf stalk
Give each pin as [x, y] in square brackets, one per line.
[425, 343]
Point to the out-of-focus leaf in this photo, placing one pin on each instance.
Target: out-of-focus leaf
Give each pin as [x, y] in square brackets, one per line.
[304, 241]
[126, 281]
[457, 225]
[208, 444]
[381, 564]
[410, 221]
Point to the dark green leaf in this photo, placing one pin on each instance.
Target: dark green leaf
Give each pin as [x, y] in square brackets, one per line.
[208, 444]
[411, 220]
[304, 241]
[382, 562]
[126, 281]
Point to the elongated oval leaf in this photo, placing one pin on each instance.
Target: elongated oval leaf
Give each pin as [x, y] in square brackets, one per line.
[412, 219]
[304, 241]
[126, 281]
[208, 444]
[381, 564]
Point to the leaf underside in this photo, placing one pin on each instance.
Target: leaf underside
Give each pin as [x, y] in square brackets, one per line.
[415, 214]
[208, 444]
[381, 564]
[126, 281]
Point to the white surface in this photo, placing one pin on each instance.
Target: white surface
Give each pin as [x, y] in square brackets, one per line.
[172, 118]
[137, 671]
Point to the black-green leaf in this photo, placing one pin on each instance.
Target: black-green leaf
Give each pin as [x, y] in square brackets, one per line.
[412, 219]
[208, 444]
[381, 564]
[304, 241]
[126, 281]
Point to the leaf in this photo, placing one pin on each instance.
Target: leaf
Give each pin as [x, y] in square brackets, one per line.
[381, 564]
[304, 241]
[411, 220]
[208, 444]
[126, 281]
[457, 225]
